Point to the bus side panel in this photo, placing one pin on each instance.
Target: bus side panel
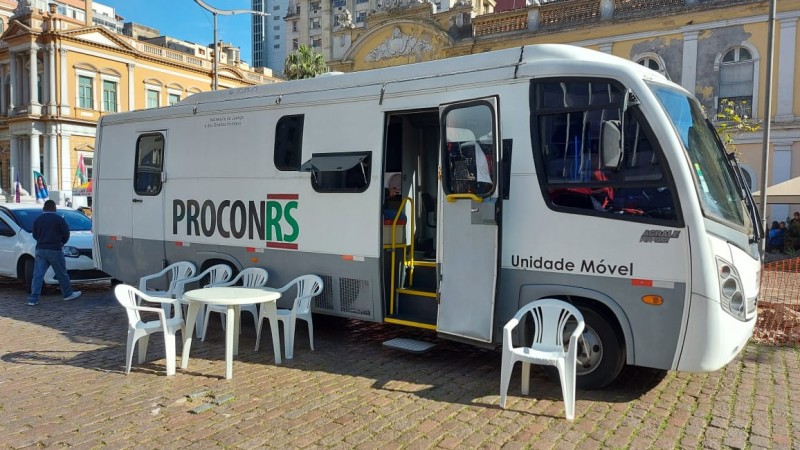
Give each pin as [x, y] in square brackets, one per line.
[601, 254]
[111, 203]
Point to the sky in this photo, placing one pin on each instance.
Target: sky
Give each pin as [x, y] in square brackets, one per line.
[186, 20]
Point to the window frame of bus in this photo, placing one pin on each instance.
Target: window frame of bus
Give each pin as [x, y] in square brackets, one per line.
[288, 151]
[321, 180]
[447, 174]
[539, 109]
[137, 173]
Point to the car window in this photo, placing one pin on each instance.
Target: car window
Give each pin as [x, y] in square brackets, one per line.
[5, 229]
[75, 220]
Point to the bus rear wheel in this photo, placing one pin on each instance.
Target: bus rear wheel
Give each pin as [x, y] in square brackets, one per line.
[601, 353]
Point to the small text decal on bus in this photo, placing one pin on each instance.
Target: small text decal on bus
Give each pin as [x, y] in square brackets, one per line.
[659, 236]
[271, 221]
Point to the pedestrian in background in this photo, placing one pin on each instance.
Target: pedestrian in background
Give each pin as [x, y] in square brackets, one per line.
[51, 233]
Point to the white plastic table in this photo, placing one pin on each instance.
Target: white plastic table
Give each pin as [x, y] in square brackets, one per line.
[231, 297]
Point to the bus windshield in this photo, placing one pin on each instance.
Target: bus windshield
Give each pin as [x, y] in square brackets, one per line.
[721, 198]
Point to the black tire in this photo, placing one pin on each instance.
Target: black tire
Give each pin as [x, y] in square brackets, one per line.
[27, 274]
[601, 353]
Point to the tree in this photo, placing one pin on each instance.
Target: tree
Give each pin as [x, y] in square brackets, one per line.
[304, 63]
[731, 124]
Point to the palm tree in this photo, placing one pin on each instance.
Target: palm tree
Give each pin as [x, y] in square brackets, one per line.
[304, 63]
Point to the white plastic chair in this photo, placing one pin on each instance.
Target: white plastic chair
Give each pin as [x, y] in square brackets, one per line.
[140, 330]
[218, 273]
[550, 318]
[169, 275]
[308, 287]
[250, 277]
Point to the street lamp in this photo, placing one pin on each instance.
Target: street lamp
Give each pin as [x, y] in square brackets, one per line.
[224, 12]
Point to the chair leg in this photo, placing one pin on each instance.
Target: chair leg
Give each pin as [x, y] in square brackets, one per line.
[259, 321]
[563, 377]
[129, 351]
[310, 332]
[169, 346]
[288, 337]
[526, 377]
[506, 368]
[143, 341]
[569, 389]
[205, 326]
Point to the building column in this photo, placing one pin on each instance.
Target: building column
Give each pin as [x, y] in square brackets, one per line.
[131, 88]
[3, 99]
[12, 81]
[51, 149]
[66, 165]
[14, 160]
[786, 73]
[781, 171]
[64, 91]
[35, 155]
[51, 80]
[689, 70]
[33, 84]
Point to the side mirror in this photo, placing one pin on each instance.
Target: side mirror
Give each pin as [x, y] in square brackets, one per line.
[611, 144]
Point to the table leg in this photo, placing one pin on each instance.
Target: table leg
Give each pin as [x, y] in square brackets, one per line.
[272, 315]
[237, 315]
[191, 318]
[230, 331]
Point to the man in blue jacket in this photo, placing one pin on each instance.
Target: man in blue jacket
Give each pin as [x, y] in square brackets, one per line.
[51, 233]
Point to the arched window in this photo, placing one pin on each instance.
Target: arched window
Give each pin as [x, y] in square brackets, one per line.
[736, 71]
[653, 62]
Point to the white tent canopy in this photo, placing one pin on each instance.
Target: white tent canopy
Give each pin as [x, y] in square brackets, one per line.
[787, 192]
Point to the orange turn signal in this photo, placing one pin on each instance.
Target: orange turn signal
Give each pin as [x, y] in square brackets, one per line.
[653, 299]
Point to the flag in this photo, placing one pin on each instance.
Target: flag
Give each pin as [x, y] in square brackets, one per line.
[16, 196]
[80, 172]
[40, 187]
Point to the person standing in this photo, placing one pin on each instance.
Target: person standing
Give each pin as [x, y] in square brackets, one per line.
[51, 233]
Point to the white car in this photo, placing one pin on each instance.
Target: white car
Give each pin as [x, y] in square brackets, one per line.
[17, 246]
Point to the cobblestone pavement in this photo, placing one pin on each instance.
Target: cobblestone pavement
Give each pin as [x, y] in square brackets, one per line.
[62, 383]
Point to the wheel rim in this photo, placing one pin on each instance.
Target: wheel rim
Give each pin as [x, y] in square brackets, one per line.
[590, 352]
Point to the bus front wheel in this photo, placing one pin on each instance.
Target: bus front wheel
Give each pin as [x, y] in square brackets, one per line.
[601, 353]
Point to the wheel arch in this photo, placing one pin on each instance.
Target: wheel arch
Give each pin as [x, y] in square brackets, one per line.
[588, 298]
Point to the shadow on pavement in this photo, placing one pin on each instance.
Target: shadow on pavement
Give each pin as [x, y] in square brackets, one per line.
[95, 327]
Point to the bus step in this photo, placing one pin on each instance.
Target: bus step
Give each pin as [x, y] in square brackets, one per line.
[409, 345]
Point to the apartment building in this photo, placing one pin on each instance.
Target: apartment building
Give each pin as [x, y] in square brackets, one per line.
[61, 71]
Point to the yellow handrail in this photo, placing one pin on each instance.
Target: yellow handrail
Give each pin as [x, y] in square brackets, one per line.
[394, 243]
[453, 197]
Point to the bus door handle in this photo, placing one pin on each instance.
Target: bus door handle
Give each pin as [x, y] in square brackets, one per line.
[137, 200]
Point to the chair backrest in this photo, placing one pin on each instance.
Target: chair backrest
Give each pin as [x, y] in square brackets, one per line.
[127, 297]
[173, 273]
[549, 319]
[308, 287]
[213, 276]
[252, 277]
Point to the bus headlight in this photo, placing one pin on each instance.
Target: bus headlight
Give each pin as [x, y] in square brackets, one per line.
[731, 296]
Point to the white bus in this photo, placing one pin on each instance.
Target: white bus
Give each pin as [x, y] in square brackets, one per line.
[445, 195]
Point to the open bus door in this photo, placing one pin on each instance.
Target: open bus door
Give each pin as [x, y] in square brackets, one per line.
[148, 201]
[467, 241]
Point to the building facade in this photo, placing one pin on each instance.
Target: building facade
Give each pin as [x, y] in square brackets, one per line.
[714, 48]
[61, 73]
[269, 34]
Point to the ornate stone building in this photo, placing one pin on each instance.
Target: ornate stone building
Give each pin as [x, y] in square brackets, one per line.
[714, 48]
[60, 73]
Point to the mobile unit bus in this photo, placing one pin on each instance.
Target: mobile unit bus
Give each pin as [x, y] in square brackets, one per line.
[545, 171]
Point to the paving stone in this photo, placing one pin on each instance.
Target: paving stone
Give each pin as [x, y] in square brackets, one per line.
[62, 384]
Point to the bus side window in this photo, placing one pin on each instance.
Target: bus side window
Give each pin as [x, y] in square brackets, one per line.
[149, 164]
[585, 167]
[469, 153]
